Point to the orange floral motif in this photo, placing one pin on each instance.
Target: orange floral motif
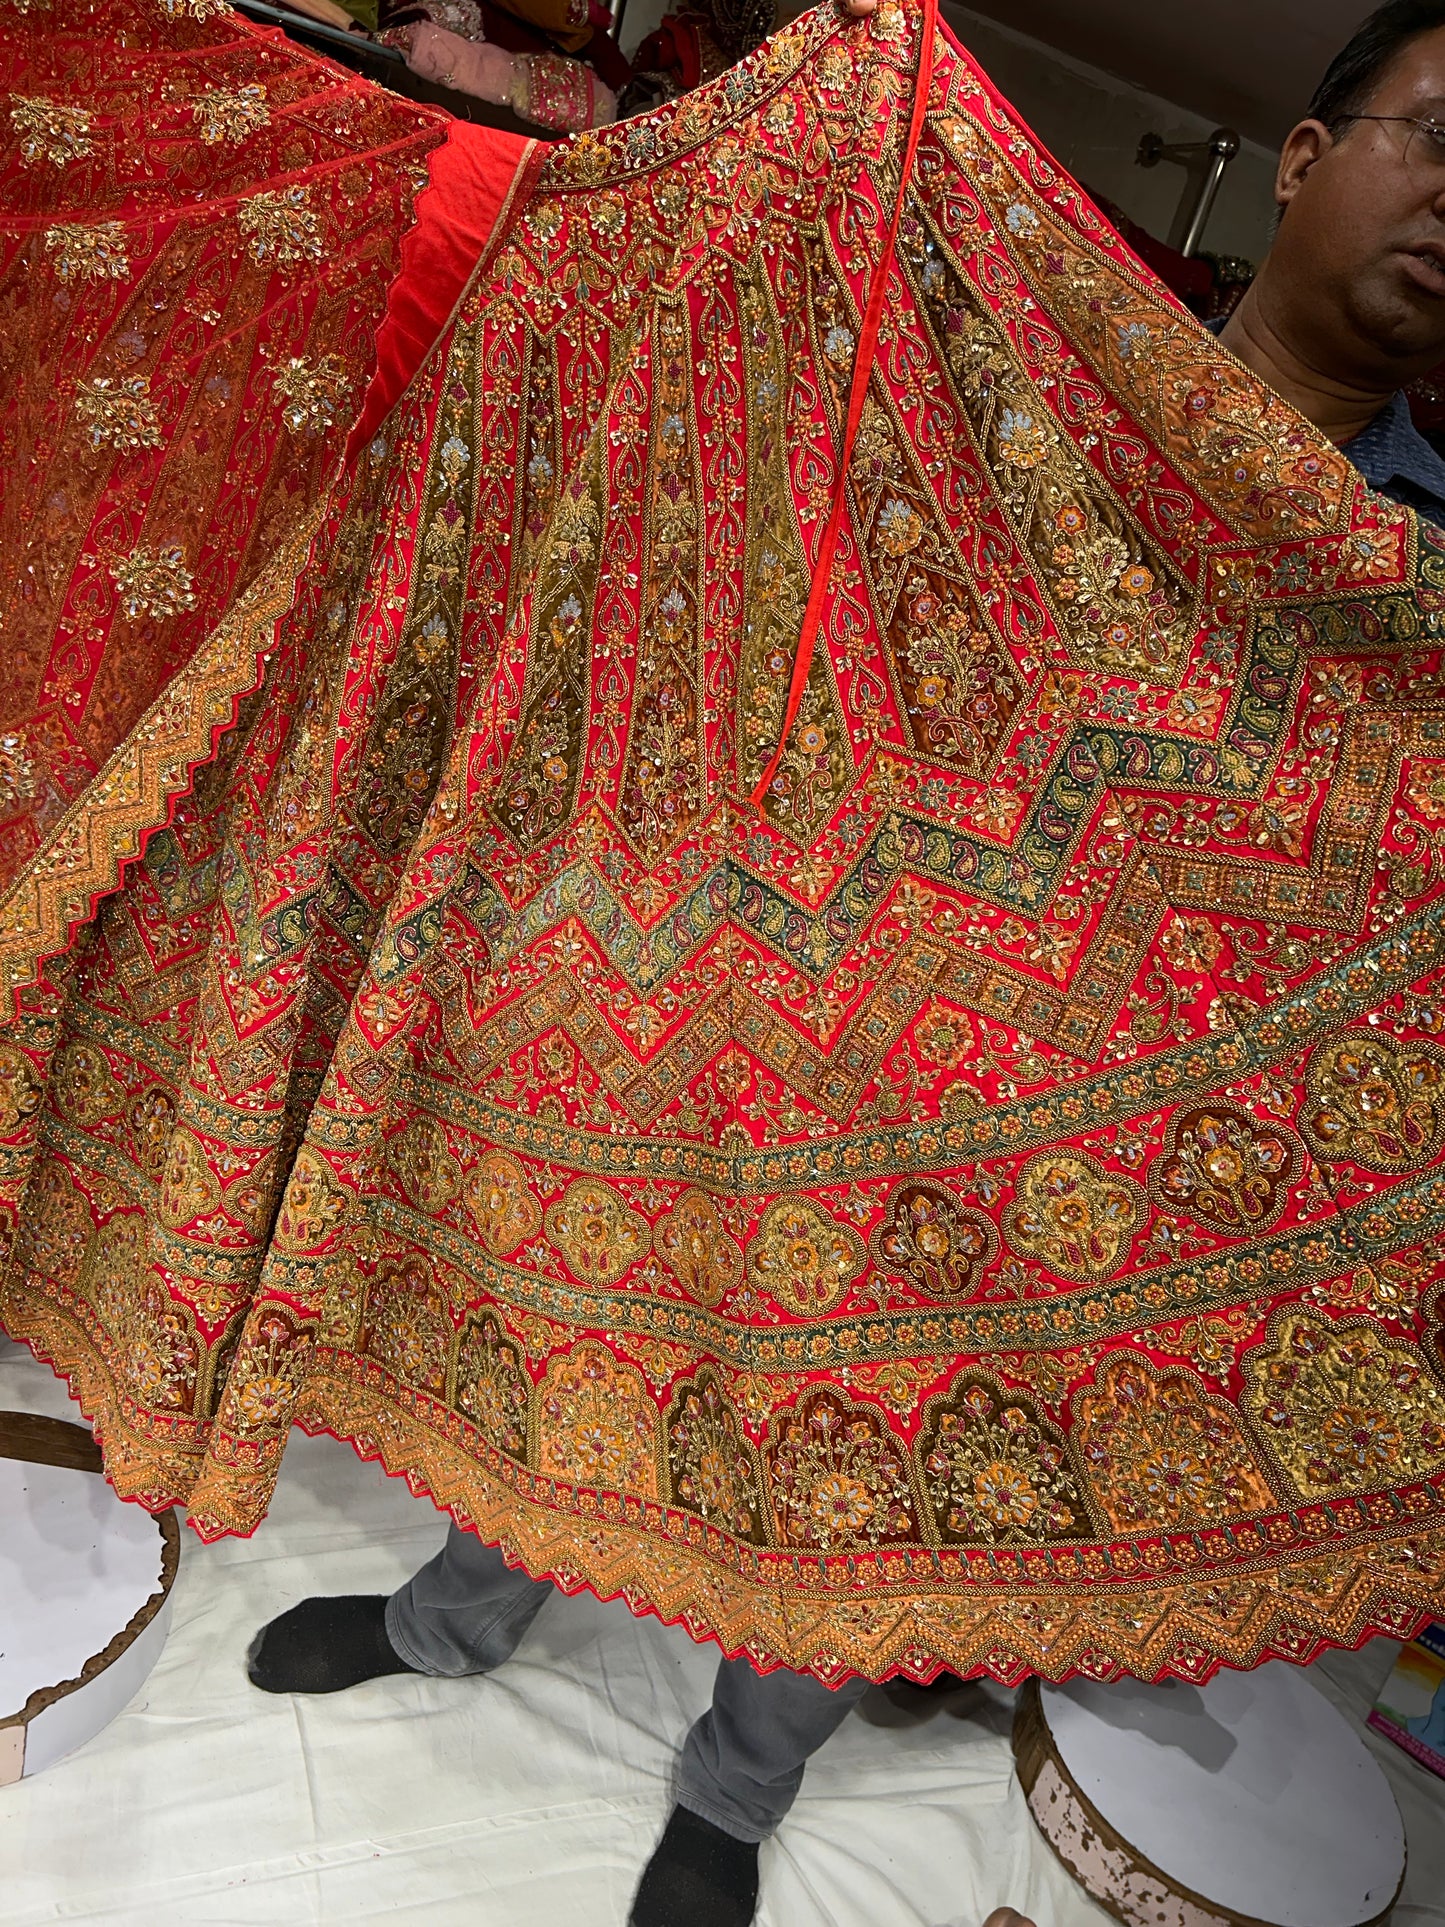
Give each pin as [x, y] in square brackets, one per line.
[1073, 1216]
[504, 1210]
[1227, 1170]
[1376, 1101]
[19, 1089]
[803, 1257]
[189, 1189]
[596, 1424]
[1160, 1452]
[694, 1244]
[932, 1241]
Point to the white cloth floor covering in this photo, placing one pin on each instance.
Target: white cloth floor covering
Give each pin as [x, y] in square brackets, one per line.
[528, 1799]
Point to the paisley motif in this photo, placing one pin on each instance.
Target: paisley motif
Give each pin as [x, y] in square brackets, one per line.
[931, 1241]
[1074, 1217]
[1375, 1101]
[1226, 1169]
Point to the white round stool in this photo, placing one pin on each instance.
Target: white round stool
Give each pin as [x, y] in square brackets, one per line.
[1249, 1802]
[85, 1586]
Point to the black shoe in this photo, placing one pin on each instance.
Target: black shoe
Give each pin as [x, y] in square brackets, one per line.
[324, 1646]
[698, 1877]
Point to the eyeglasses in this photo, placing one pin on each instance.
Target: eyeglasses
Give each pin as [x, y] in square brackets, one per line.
[1424, 144]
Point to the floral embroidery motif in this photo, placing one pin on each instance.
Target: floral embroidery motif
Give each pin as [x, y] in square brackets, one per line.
[314, 394]
[231, 115]
[151, 1117]
[313, 1204]
[50, 131]
[1160, 1452]
[406, 1325]
[837, 1478]
[504, 1210]
[596, 1233]
[267, 1370]
[711, 1463]
[88, 253]
[694, 1244]
[1343, 1409]
[119, 411]
[85, 1088]
[188, 1186]
[19, 1089]
[932, 1241]
[281, 226]
[423, 1161]
[492, 1387]
[804, 1258]
[1073, 1216]
[597, 1424]
[193, 9]
[154, 582]
[1375, 1101]
[1226, 1169]
[995, 1472]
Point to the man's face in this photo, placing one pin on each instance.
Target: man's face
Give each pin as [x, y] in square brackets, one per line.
[1360, 254]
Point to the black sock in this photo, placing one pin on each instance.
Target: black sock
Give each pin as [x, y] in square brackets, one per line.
[698, 1877]
[324, 1646]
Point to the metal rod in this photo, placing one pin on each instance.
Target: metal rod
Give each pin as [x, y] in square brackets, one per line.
[1205, 162]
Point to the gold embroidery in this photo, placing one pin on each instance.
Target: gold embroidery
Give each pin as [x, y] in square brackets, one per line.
[1159, 1452]
[119, 411]
[50, 131]
[594, 1423]
[492, 1386]
[315, 394]
[804, 1258]
[1376, 1102]
[713, 1469]
[693, 1243]
[281, 226]
[505, 1211]
[88, 253]
[1226, 1169]
[837, 1478]
[231, 115]
[932, 1241]
[596, 1233]
[1073, 1216]
[1344, 1410]
[154, 582]
[995, 1471]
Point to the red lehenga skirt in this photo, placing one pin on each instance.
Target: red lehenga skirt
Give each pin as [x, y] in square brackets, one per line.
[783, 936]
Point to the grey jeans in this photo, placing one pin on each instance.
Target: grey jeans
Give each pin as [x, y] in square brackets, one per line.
[742, 1762]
